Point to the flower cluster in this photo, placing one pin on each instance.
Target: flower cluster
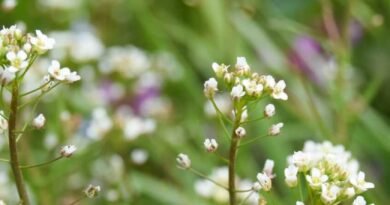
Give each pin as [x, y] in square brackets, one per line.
[329, 170]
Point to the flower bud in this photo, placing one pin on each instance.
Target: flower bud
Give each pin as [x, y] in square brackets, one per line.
[211, 145]
[265, 181]
[240, 132]
[39, 121]
[183, 161]
[269, 110]
[275, 129]
[210, 87]
[92, 191]
[68, 150]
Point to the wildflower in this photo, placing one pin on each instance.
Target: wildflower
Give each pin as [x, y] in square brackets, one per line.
[237, 92]
[301, 160]
[269, 110]
[256, 186]
[268, 168]
[359, 201]
[360, 184]
[268, 81]
[278, 91]
[316, 178]
[41, 43]
[275, 129]
[17, 60]
[265, 181]
[55, 71]
[219, 70]
[68, 150]
[228, 78]
[211, 145]
[329, 193]
[6, 76]
[39, 121]
[27, 47]
[242, 66]
[252, 88]
[92, 191]
[70, 76]
[183, 161]
[3, 122]
[349, 192]
[240, 132]
[290, 174]
[210, 87]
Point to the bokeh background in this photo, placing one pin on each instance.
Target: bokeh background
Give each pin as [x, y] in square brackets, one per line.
[140, 101]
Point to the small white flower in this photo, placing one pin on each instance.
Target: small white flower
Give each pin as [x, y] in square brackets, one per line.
[360, 184]
[6, 76]
[269, 110]
[183, 161]
[256, 186]
[329, 193]
[210, 87]
[92, 191]
[27, 47]
[290, 174]
[242, 66]
[301, 160]
[17, 60]
[3, 123]
[275, 129]
[55, 71]
[359, 201]
[210, 145]
[240, 132]
[228, 78]
[237, 92]
[219, 70]
[299, 203]
[139, 156]
[39, 121]
[268, 81]
[41, 43]
[349, 192]
[70, 77]
[265, 181]
[316, 178]
[268, 168]
[244, 115]
[68, 150]
[278, 91]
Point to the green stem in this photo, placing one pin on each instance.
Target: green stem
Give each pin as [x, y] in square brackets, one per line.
[78, 200]
[19, 181]
[235, 141]
[252, 140]
[34, 90]
[219, 111]
[254, 120]
[41, 164]
[206, 177]
[246, 198]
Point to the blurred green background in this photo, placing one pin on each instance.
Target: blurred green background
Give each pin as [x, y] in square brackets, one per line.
[333, 56]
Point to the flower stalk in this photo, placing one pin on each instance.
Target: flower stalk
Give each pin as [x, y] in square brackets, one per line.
[235, 141]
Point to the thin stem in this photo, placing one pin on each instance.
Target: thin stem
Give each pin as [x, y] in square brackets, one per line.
[5, 160]
[219, 111]
[34, 57]
[34, 90]
[254, 120]
[206, 177]
[41, 164]
[243, 191]
[235, 141]
[246, 198]
[252, 140]
[300, 187]
[221, 157]
[78, 200]
[19, 181]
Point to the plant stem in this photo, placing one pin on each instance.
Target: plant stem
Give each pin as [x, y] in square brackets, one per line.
[13, 148]
[77, 200]
[41, 164]
[235, 141]
[206, 177]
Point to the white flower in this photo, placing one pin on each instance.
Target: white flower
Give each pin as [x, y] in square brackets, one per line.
[219, 70]
[228, 78]
[240, 132]
[55, 71]
[290, 174]
[237, 92]
[68, 150]
[210, 145]
[39, 121]
[183, 161]
[269, 110]
[210, 87]
[27, 47]
[268, 81]
[301, 160]
[360, 184]
[349, 192]
[359, 201]
[41, 43]
[268, 168]
[252, 88]
[329, 193]
[3, 123]
[299, 203]
[17, 60]
[275, 129]
[265, 181]
[242, 66]
[70, 76]
[256, 186]
[6, 76]
[92, 191]
[139, 156]
[278, 91]
[316, 178]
